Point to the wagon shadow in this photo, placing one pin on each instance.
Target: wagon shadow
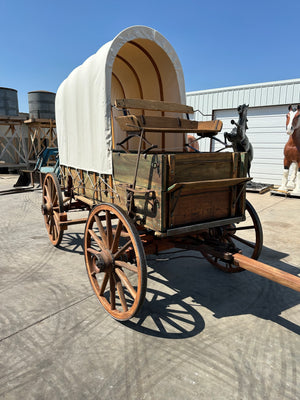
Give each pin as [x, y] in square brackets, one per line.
[184, 290]
[72, 243]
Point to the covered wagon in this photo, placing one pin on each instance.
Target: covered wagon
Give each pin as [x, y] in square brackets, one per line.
[122, 126]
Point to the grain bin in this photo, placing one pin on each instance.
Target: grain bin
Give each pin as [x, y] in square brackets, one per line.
[8, 102]
[41, 105]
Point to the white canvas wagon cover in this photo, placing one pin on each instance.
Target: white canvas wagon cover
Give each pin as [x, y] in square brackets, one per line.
[137, 63]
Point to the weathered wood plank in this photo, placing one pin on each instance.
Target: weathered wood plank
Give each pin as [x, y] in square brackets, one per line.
[154, 105]
[150, 170]
[198, 207]
[132, 123]
[190, 187]
[190, 167]
[274, 274]
[151, 176]
[149, 214]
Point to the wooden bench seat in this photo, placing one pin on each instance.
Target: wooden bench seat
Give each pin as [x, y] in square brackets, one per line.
[134, 123]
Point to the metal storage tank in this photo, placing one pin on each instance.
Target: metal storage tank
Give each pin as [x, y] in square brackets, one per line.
[41, 104]
[9, 102]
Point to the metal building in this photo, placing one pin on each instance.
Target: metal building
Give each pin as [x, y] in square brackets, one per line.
[268, 104]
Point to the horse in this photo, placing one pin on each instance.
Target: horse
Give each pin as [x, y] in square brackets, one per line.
[238, 137]
[292, 150]
[192, 144]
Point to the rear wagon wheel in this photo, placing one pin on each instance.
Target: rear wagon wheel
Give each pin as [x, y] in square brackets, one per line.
[52, 205]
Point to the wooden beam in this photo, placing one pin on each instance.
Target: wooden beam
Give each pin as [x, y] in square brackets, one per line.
[274, 274]
[73, 222]
[85, 200]
[154, 105]
[209, 184]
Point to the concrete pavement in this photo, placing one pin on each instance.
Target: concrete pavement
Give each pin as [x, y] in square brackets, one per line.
[202, 334]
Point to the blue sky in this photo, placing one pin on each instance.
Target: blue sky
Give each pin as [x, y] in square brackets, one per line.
[219, 43]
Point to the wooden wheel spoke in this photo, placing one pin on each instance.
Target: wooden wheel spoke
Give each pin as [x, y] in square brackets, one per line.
[101, 230]
[53, 228]
[241, 228]
[92, 251]
[244, 241]
[55, 199]
[46, 199]
[51, 225]
[55, 231]
[121, 294]
[56, 220]
[104, 284]
[47, 191]
[112, 291]
[97, 239]
[108, 228]
[126, 265]
[126, 282]
[50, 189]
[122, 249]
[115, 242]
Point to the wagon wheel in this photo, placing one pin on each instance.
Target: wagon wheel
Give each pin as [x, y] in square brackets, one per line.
[246, 236]
[115, 261]
[52, 205]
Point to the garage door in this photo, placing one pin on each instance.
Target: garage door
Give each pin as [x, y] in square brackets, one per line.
[266, 132]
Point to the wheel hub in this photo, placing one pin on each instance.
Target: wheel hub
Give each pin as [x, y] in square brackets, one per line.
[47, 209]
[103, 261]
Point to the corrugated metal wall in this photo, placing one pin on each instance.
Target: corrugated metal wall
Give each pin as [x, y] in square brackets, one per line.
[262, 98]
[256, 95]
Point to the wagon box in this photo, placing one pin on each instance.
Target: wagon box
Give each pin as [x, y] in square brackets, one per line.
[126, 158]
[180, 182]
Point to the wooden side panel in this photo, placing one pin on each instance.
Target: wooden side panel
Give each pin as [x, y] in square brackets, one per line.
[151, 176]
[150, 172]
[189, 167]
[191, 208]
[89, 184]
[149, 211]
[242, 171]
[197, 203]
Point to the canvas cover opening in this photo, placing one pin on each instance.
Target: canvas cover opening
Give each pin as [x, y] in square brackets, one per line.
[138, 63]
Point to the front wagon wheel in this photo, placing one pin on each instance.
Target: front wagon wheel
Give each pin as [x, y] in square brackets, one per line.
[246, 236]
[115, 261]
